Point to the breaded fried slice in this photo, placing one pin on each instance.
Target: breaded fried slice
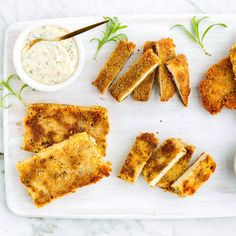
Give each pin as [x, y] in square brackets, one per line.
[195, 176]
[62, 168]
[162, 160]
[126, 84]
[144, 90]
[141, 151]
[46, 124]
[166, 51]
[232, 55]
[178, 68]
[219, 87]
[177, 170]
[113, 65]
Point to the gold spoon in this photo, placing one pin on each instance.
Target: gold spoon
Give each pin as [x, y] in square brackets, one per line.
[63, 37]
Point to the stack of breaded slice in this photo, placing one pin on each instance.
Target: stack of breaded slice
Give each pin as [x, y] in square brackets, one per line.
[167, 165]
[70, 142]
[157, 62]
[218, 89]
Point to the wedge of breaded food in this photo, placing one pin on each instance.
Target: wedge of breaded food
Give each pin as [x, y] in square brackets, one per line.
[126, 84]
[141, 151]
[63, 168]
[165, 49]
[162, 160]
[232, 56]
[113, 65]
[195, 176]
[46, 124]
[218, 89]
[144, 90]
[178, 169]
[178, 67]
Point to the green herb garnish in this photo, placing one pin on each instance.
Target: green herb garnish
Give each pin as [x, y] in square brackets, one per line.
[112, 26]
[11, 91]
[195, 34]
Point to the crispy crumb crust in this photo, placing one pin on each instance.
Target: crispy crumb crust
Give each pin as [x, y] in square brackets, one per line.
[232, 55]
[62, 168]
[218, 89]
[141, 151]
[177, 170]
[200, 174]
[144, 90]
[178, 67]
[165, 49]
[161, 158]
[125, 85]
[113, 65]
[46, 124]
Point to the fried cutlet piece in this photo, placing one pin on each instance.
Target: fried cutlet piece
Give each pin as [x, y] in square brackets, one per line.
[162, 160]
[144, 89]
[218, 89]
[178, 68]
[62, 168]
[177, 170]
[195, 176]
[46, 124]
[113, 65]
[141, 151]
[232, 55]
[125, 85]
[166, 51]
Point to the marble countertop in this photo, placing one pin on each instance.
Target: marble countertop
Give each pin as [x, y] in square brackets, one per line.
[19, 10]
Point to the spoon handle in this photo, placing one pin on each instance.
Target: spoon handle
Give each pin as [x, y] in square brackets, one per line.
[82, 30]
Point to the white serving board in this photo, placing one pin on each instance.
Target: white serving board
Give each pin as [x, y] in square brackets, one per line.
[112, 197]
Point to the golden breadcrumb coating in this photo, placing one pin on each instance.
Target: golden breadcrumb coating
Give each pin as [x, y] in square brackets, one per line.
[126, 84]
[195, 176]
[218, 89]
[232, 55]
[46, 124]
[141, 151]
[113, 65]
[178, 67]
[62, 168]
[144, 90]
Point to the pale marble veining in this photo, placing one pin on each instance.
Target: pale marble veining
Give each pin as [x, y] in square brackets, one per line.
[10, 224]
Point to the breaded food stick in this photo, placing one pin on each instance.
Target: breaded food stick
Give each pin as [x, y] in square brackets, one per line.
[141, 151]
[113, 65]
[177, 170]
[165, 49]
[144, 90]
[62, 168]
[162, 160]
[126, 84]
[195, 176]
[232, 56]
[178, 68]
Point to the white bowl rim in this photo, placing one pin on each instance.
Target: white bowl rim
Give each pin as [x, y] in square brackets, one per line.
[26, 78]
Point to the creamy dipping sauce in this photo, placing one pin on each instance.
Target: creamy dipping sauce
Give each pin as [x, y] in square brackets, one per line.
[50, 62]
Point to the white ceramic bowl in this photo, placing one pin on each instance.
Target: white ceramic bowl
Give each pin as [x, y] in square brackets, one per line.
[19, 44]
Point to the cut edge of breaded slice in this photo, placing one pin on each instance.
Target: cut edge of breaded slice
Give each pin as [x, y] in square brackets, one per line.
[144, 90]
[218, 85]
[113, 65]
[40, 131]
[138, 156]
[125, 85]
[195, 176]
[178, 169]
[232, 55]
[162, 160]
[165, 49]
[62, 168]
[179, 70]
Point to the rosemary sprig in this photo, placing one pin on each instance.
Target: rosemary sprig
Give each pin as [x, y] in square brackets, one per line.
[195, 34]
[6, 84]
[112, 26]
